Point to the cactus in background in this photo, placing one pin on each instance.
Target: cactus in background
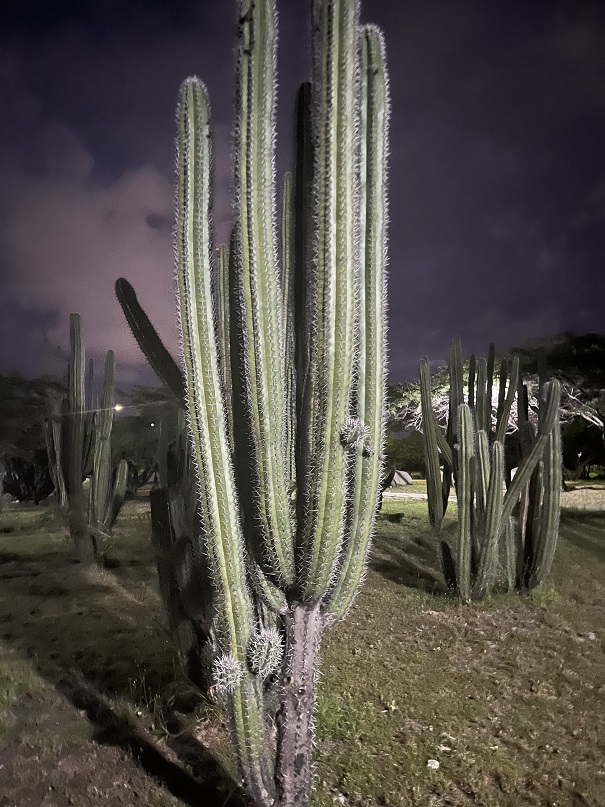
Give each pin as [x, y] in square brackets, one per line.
[287, 501]
[107, 496]
[494, 548]
[78, 445]
[148, 340]
[184, 580]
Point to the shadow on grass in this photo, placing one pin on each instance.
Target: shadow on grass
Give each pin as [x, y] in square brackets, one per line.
[208, 783]
[586, 531]
[96, 637]
[408, 555]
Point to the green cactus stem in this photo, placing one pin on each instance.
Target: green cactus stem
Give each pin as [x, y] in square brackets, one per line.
[430, 430]
[494, 550]
[75, 438]
[465, 500]
[107, 495]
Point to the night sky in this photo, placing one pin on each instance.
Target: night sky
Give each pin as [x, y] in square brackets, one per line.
[497, 167]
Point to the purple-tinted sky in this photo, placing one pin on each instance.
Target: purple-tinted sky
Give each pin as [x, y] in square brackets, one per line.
[497, 168]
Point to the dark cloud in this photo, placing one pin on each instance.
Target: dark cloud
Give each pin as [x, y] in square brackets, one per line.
[497, 179]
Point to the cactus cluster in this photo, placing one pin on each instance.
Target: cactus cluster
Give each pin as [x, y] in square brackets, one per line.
[507, 529]
[283, 345]
[78, 440]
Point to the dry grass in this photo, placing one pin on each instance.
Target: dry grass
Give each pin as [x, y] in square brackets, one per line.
[507, 696]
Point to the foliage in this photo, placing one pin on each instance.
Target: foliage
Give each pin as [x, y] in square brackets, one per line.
[579, 363]
[27, 480]
[23, 406]
[583, 448]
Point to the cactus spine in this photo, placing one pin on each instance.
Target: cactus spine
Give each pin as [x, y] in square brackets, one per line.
[287, 501]
[491, 523]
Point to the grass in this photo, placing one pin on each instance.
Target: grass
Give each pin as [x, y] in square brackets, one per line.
[507, 696]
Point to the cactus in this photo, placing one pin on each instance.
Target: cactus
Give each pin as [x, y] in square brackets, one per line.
[496, 549]
[106, 497]
[78, 445]
[287, 501]
[183, 575]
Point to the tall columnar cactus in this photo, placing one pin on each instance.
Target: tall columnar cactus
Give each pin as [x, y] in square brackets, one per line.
[107, 494]
[287, 500]
[78, 443]
[184, 579]
[499, 543]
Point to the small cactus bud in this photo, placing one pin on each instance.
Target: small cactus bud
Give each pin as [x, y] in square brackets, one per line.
[266, 651]
[228, 673]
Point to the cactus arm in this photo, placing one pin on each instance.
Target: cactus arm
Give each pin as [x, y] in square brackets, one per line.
[265, 589]
[54, 448]
[371, 339]
[74, 423]
[211, 451]
[304, 312]
[148, 340]
[502, 378]
[222, 315]
[472, 377]
[456, 397]
[334, 82]
[510, 552]
[443, 445]
[118, 494]
[288, 327]
[526, 468]
[102, 466]
[465, 500]
[488, 554]
[541, 553]
[269, 508]
[481, 405]
[456, 372]
[491, 361]
[430, 430]
[89, 423]
[482, 471]
[505, 402]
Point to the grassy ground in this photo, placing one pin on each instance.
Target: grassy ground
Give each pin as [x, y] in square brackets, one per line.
[421, 701]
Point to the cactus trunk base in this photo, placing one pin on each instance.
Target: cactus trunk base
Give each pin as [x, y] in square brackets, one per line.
[293, 773]
[84, 546]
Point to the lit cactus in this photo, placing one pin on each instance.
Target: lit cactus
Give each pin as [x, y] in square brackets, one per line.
[491, 525]
[287, 501]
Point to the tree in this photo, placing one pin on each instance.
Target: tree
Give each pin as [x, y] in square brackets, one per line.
[578, 362]
[406, 453]
[23, 406]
